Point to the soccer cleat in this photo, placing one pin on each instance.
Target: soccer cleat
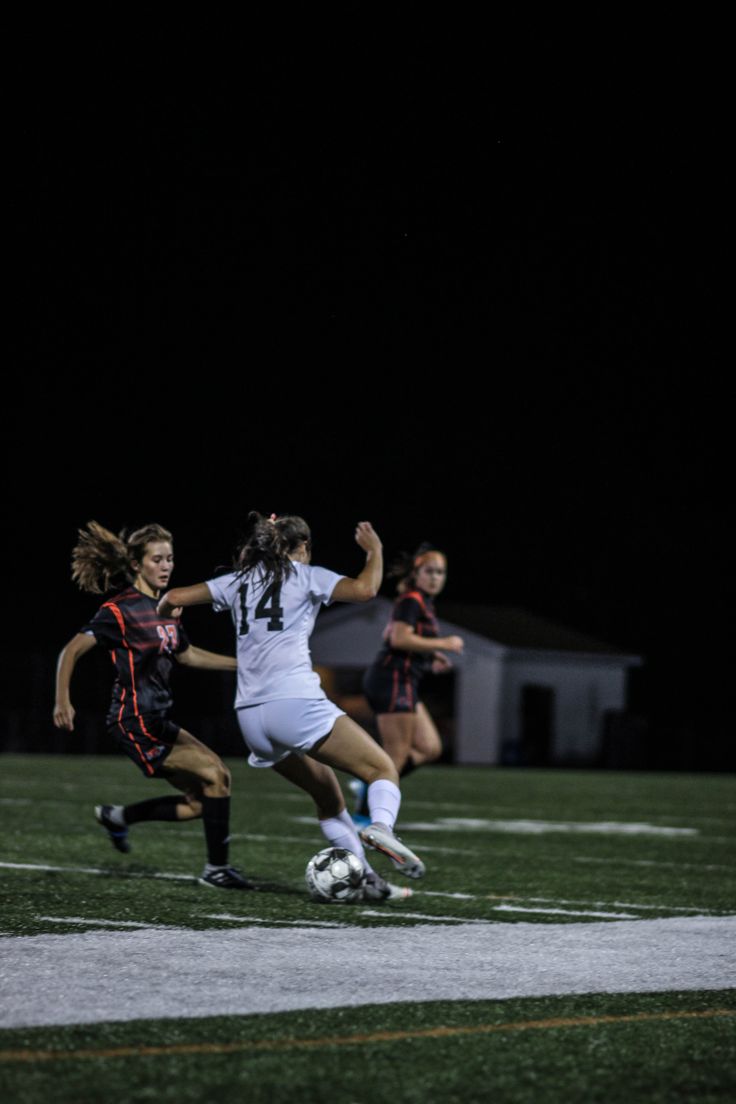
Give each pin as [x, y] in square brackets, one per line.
[225, 877]
[118, 835]
[376, 888]
[380, 838]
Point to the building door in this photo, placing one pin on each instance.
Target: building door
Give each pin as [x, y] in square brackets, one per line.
[537, 725]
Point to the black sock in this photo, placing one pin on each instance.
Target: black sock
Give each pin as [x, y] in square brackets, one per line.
[407, 768]
[156, 808]
[216, 817]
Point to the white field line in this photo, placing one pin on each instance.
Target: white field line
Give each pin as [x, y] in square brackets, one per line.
[373, 914]
[95, 870]
[597, 914]
[292, 969]
[504, 907]
[566, 912]
[542, 827]
[89, 923]
[501, 908]
[564, 901]
[247, 920]
[653, 862]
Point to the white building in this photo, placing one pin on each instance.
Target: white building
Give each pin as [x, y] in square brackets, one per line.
[525, 690]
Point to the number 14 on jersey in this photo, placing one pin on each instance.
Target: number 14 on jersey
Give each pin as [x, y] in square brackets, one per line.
[269, 607]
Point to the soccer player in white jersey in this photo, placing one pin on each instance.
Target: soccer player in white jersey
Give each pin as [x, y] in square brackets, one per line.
[287, 721]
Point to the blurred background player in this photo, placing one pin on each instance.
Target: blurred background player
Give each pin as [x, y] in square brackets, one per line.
[411, 647]
[142, 647]
[287, 722]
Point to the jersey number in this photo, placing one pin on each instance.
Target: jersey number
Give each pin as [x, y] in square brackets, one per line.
[169, 638]
[269, 606]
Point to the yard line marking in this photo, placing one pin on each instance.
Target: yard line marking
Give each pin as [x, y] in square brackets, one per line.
[505, 908]
[112, 872]
[566, 912]
[256, 920]
[372, 1038]
[101, 923]
[540, 827]
[563, 901]
[652, 862]
[372, 913]
[109, 871]
[614, 904]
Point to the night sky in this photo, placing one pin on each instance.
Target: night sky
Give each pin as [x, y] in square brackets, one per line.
[484, 325]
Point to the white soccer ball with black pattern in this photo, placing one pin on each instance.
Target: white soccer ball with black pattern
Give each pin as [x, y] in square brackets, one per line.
[335, 875]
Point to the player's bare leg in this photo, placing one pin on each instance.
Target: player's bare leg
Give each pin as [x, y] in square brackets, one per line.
[319, 781]
[397, 735]
[316, 779]
[205, 780]
[350, 748]
[426, 744]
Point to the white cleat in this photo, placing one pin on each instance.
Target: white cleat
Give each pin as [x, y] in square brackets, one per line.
[380, 838]
[376, 888]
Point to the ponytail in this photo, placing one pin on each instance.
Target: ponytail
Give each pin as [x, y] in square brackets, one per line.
[270, 544]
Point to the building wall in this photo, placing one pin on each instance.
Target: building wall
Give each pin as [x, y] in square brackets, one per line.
[488, 688]
[584, 690]
[478, 699]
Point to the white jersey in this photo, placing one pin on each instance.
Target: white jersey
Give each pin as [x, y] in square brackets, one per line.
[273, 624]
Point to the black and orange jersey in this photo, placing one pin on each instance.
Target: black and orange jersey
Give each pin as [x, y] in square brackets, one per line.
[416, 609]
[141, 646]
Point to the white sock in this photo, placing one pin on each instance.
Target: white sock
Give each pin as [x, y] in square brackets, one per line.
[384, 799]
[117, 815]
[339, 831]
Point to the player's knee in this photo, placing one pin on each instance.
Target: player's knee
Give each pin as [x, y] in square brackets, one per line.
[384, 768]
[215, 777]
[221, 780]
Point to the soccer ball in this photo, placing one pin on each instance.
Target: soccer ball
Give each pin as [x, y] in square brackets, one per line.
[335, 875]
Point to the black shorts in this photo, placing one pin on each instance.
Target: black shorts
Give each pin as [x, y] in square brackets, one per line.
[390, 691]
[147, 740]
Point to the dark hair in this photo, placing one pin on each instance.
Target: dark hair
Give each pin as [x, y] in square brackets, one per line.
[100, 558]
[406, 563]
[270, 544]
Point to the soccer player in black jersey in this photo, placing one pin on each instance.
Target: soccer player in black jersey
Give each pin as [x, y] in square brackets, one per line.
[142, 647]
[412, 646]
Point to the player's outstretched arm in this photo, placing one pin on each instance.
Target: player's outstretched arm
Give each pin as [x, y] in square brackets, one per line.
[208, 661]
[367, 584]
[68, 656]
[197, 595]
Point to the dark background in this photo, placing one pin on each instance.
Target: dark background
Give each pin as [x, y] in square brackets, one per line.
[419, 296]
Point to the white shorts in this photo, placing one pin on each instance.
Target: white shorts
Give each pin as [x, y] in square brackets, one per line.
[286, 726]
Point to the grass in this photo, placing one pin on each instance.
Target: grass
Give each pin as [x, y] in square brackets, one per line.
[674, 1046]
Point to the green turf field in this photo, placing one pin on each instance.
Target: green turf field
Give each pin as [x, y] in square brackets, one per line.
[501, 847]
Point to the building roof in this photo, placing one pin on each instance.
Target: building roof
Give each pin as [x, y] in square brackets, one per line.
[517, 628]
[488, 628]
